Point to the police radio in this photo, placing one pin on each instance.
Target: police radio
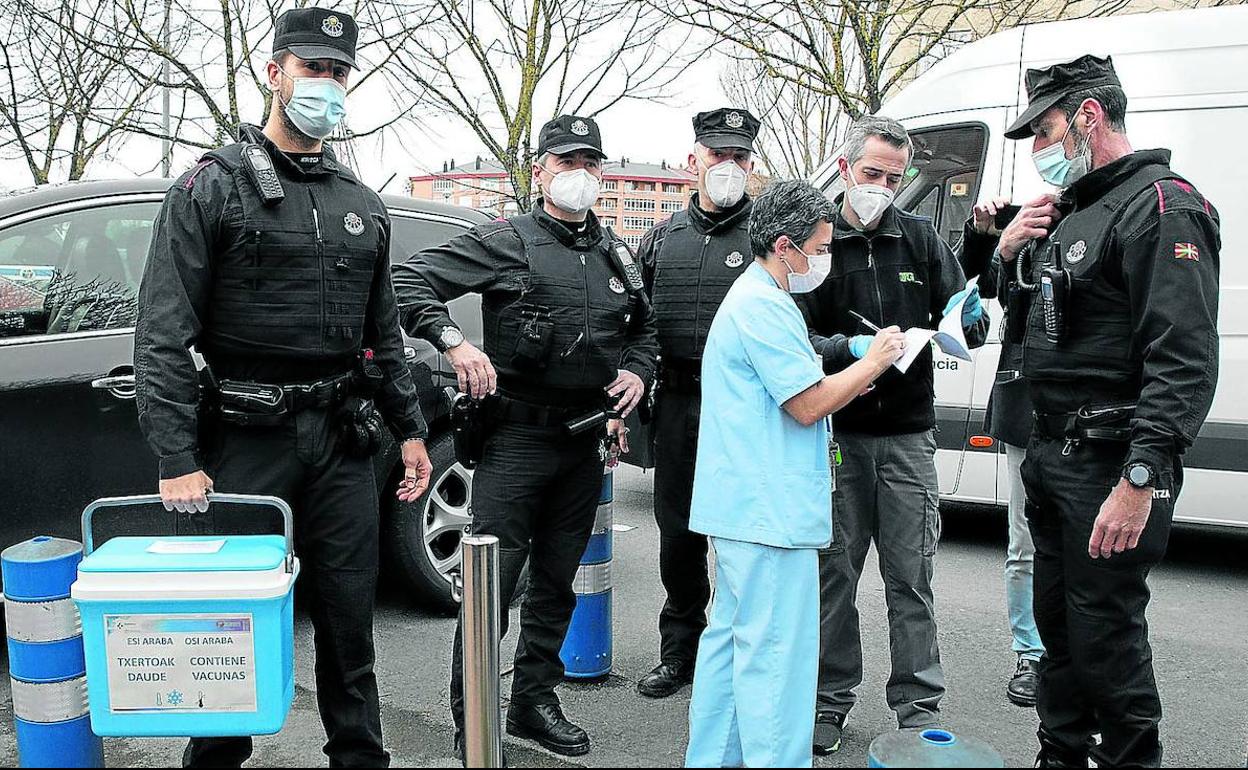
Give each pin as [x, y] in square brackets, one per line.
[1054, 291]
[260, 171]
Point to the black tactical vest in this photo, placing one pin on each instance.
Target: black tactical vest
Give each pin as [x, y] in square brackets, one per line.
[581, 295]
[693, 273]
[293, 280]
[1098, 351]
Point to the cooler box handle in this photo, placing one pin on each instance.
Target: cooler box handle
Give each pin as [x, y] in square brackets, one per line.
[288, 517]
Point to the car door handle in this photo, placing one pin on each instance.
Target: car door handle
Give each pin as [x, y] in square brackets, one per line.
[122, 385]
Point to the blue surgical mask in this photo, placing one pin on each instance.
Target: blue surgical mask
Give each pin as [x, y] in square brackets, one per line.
[1058, 170]
[316, 106]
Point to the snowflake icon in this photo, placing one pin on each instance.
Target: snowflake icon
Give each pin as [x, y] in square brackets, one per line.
[175, 698]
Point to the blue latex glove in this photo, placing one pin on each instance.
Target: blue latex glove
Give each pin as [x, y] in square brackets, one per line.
[973, 311]
[858, 346]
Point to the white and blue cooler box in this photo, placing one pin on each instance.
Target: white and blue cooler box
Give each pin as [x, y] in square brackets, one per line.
[189, 636]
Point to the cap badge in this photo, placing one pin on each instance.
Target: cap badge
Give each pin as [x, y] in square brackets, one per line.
[580, 128]
[353, 223]
[332, 26]
[734, 120]
[616, 285]
[1076, 253]
[735, 259]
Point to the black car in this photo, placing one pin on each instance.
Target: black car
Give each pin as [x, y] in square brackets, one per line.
[71, 258]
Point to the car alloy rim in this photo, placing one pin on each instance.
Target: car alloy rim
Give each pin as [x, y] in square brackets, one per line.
[447, 517]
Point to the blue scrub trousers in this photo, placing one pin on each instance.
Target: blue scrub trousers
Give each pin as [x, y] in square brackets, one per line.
[758, 662]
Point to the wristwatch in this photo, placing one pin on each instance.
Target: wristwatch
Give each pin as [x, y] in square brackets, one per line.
[1139, 475]
[450, 338]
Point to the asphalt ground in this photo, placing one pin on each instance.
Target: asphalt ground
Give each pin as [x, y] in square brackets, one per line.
[1199, 629]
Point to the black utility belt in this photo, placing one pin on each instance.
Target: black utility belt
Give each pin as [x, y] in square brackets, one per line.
[261, 404]
[1110, 423]
[575, 420]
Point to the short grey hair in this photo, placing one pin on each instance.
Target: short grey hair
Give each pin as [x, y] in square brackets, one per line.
[878, 126]
[793, 208]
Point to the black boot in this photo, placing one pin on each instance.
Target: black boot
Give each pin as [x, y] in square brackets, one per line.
[547, 725]
[666, 679]
[1022, 687]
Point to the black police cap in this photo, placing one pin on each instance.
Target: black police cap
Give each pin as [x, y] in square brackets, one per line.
[569, 133]
[726, 128]
[1047, 87]
[317, 33]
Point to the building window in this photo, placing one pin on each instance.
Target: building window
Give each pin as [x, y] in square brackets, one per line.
[610, 185]
[671, 207]
[489, 184]
[639, 204]
[608, 204]
[442, 185]
[638, 223]
[673, 189]
[639, 186]
[608, 221]
[633, 241]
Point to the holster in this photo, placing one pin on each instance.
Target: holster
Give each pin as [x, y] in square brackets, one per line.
[360, 427]
[469, 428]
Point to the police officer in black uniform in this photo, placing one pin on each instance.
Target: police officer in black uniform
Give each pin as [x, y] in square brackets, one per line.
[1121, 357]
[272, 260]
[689, 262]
[568, 331]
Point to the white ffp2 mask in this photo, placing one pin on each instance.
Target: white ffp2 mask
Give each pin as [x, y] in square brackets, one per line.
[725, 183]
[869, 201]
[574, 191]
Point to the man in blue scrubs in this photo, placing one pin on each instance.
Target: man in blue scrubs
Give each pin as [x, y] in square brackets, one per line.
[763, 489]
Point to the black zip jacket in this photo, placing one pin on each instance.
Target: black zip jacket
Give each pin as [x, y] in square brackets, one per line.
[202, 222]
[899, 274]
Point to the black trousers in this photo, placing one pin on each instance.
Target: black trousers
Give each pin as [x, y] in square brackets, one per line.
[537, 491]
[334, 499]
[682, 554]
[1097, 672]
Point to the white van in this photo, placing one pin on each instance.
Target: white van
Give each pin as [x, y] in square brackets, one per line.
[1183, 72]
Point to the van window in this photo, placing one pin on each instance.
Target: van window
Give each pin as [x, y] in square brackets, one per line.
[78, 271]
[943, 181]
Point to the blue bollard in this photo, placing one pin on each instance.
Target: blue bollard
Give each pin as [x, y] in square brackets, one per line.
[46, 664]
[586, 651]
[930, 748]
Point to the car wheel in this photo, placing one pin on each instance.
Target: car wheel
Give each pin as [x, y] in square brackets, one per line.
[425, 535]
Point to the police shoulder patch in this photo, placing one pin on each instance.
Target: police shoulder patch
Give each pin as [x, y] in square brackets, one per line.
[1178, 195]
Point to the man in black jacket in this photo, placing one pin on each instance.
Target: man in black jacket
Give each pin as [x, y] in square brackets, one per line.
[894, 269]
[284, 298]
[1009, 421]
[689, 262]
[1120, 352]
[567, 329]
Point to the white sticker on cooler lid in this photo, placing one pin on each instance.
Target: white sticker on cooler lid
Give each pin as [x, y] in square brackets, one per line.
[186, 547]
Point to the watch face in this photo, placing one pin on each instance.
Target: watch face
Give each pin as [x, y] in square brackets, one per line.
[1139, 475]
[451, 337]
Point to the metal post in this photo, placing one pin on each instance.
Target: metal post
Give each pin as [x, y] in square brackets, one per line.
[166, 144]
[483, 739]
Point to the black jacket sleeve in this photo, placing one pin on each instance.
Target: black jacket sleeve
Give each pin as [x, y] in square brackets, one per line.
[1171, 271]
[975, 251]
[173, 299]
[948, 280]
[834, 348]
[475, 261]
[397, 399]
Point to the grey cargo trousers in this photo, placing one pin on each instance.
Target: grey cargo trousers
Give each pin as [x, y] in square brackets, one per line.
[887, 491]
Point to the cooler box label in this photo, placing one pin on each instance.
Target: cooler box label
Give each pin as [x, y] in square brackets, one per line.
[202, 663]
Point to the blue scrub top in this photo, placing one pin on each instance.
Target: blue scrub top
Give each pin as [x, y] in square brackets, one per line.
[761, 476]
